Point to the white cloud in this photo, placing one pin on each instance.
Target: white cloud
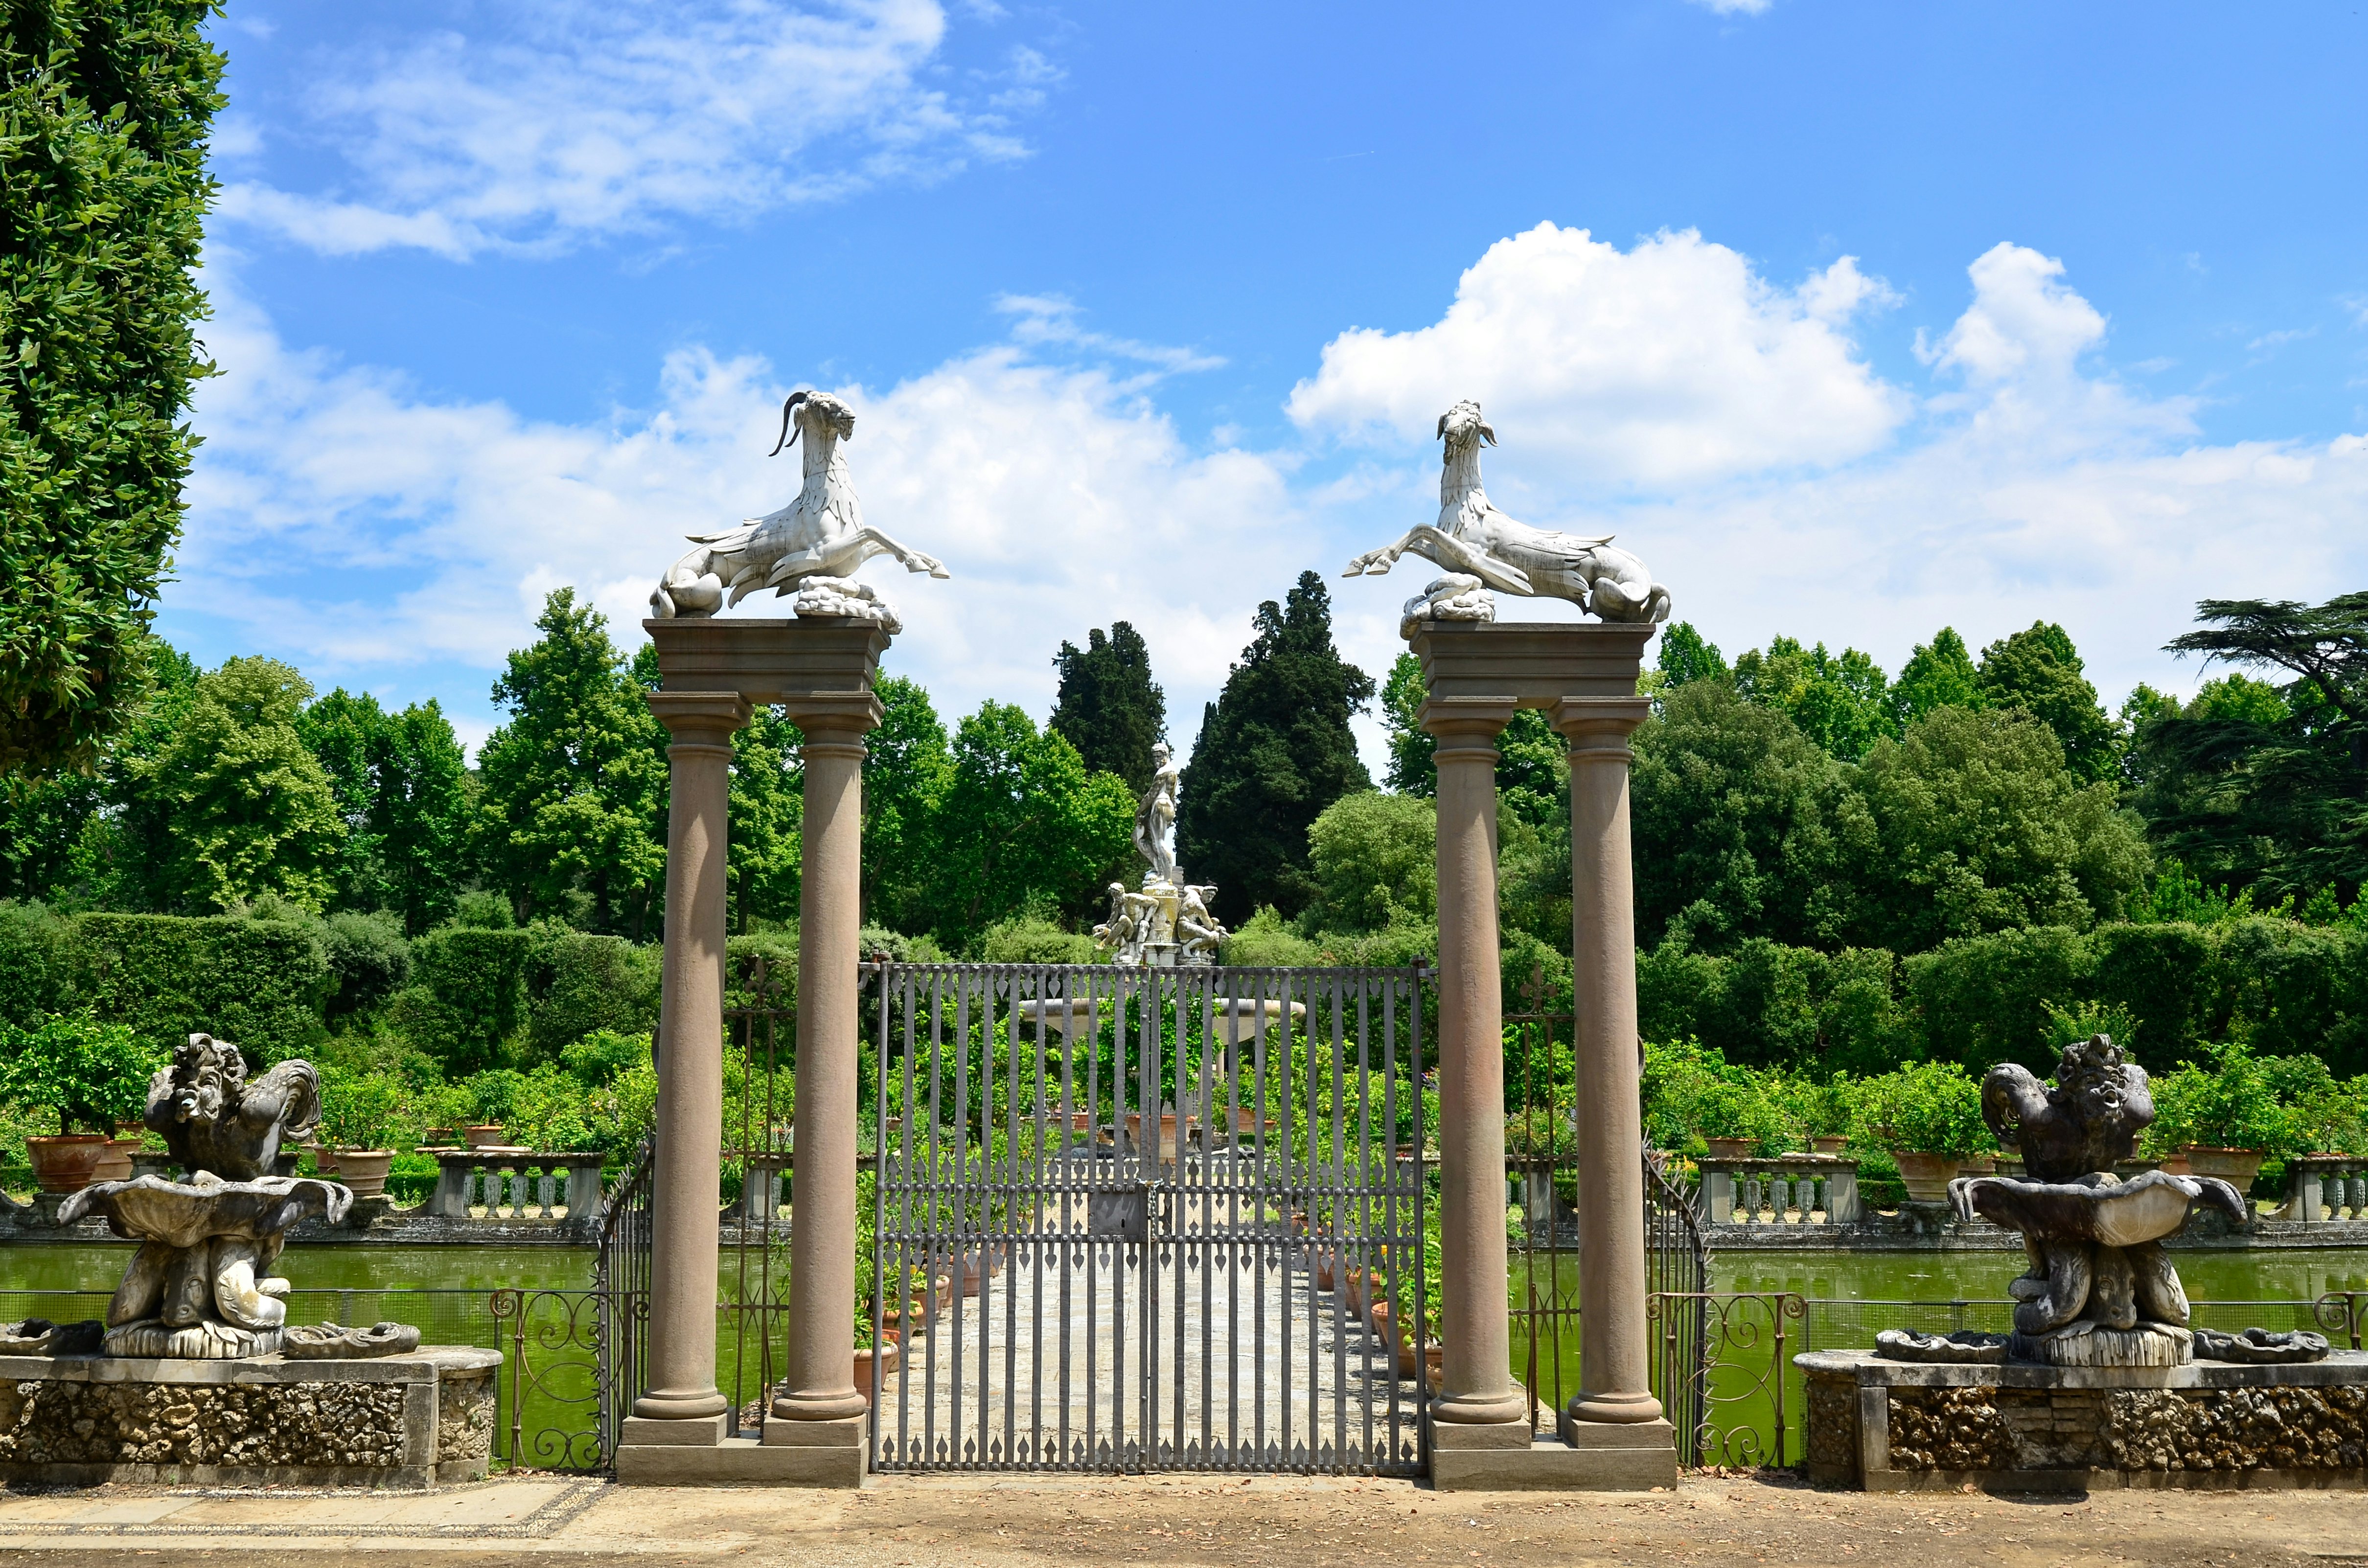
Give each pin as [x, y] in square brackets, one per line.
[563, 120]
[349, 523]
[2024, 323]
[1735, 7]
[1669, 363]
[1053, 319]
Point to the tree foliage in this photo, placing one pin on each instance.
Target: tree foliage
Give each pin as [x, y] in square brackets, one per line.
[103, 197]
[1275, 749]
[400, 781]
[575, 785]
[1110, 708]
[2038, 671]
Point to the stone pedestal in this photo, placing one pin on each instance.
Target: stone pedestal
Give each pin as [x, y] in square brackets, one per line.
[409, 1421]
[1886, 1425]
[1583, 677]
[820, 671]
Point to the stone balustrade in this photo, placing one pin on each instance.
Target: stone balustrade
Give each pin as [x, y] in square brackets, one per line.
[1790, 1189]
[516, 1184]
[2322, 1188]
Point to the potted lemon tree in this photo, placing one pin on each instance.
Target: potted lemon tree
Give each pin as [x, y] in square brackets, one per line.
[1929, 1116]
[2223, 1114]
[94, 1075]
[357, 1120]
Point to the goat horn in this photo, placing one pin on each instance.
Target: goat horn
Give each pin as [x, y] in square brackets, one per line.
[787, 409]
[1442, 434]
[1489, 435]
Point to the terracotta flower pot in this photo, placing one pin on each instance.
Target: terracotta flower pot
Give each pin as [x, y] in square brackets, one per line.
[1731, 1148]
[363, 1171]
[114, 1164]
[2175, 1165]
[324, 1159]
[1327, 1268]
[65, 1164]
[1353, 1291]
[889, 1357]
[2237, 1168]
[1828, 1143]
[484, 1135]
[1926, 1176]
[1978, 1164]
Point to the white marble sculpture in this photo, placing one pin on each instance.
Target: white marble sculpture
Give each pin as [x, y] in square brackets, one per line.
[1168, 922]
[1154, 814]
[1479, 549]
[809, 550]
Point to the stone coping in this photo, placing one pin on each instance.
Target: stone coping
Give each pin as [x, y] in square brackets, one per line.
[424, 1365]
[1867, 1370]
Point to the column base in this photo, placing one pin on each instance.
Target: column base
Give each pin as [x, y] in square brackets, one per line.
[812, 1409]
[1611, 1409]
[698, 1432]
[1481, 1410]
[671, 1405]
[1635, 1456]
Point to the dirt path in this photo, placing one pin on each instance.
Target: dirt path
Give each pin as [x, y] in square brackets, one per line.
[1262, 1523]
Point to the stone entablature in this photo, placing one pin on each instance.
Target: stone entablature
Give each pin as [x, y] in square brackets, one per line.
[409, 1421]
[1892, 1426]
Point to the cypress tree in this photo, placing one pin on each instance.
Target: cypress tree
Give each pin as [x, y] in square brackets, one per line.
[103, 197]
[1110, 708]
[1275, 749]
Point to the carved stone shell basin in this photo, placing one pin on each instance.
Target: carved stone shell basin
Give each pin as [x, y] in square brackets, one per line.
[183, 1215]
[2145, 1208]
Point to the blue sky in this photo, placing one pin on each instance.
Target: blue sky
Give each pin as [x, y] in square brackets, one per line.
[1852, 319]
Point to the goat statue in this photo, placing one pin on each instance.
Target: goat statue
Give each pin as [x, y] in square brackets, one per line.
[810, 547]
[1479, 548]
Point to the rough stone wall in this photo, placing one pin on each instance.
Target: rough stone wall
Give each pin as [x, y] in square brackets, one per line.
[1949, 1429]
[464, 1417]
[1833, 1424]
[2238, 1429]
[178, 1424]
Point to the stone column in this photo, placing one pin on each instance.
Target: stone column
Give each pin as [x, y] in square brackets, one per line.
[1615, 1380]
[1473, 1325]
[684, 1191]
[819, 1390]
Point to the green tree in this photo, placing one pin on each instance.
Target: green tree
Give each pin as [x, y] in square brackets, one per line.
[236, 803]
[1375, 860]
[1741, 820]
[103, 197]
[1532, 763]
[1021, 822]
[1978, 826]
[2038, 671]
[1685, 656]
[1274, 750]
[767, 821]
[1110, 708]
[907, 767]
[2262, 786]
[1840, 702]
[574, 788]
[1939, 674]
[401, 786]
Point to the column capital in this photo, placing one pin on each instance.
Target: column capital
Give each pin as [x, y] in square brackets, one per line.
[1466, 725]
[833, 716]
[700, 718]
[1598, 728]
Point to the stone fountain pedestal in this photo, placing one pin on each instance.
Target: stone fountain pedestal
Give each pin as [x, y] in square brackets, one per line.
[405, 1422]
[1885, 1426]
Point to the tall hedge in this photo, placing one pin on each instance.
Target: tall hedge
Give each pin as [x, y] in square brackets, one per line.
[103, 196]
[468, 999]
[36, 963]
[578, 983]
[257, 983]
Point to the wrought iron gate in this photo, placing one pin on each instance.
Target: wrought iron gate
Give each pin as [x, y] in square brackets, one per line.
[1134, 1220]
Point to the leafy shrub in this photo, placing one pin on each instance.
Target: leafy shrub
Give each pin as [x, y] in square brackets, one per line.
[600, 1056]
[37, 960]
[1266, 940]
[1983, 1000]
[257, 983]
[1932, 1107]
[363, 1112]
[369, 960]
[579, 982]
[2229, 1101]
[93, 1074]
[470, 999]
[1031, 939]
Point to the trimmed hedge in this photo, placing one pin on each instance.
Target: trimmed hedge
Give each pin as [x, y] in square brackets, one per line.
[36, 963]
[257, 983]
[469, 999]
[580, 983]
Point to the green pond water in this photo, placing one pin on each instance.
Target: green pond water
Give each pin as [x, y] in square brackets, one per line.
[1786, 1302]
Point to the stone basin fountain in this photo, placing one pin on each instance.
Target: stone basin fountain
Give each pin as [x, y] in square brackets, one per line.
[2104, 1379]
[195, 1375]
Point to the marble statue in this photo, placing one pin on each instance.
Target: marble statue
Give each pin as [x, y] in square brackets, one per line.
[1480, 549]
[2100, 1291]
[809, 550]
[201, 1284]
[1168, 922]
[1155, 815]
